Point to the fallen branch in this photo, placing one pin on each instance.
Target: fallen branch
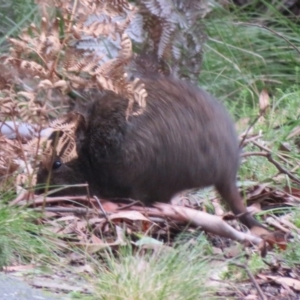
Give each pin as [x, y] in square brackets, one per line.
[266, 149]
[250, 126]
[210, 223]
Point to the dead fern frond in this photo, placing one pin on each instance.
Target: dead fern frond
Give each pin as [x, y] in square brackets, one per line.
[87, 44]
[11, 158]
[175, 34]
[138, 94]
[67, 123]
[61, 142]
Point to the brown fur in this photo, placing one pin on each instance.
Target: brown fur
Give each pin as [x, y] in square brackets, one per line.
[184, 139]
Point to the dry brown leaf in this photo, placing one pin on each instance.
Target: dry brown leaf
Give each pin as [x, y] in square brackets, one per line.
[264, 100]
[130, 215]
[109, 207]
[140, 222]
[91, 248]
[285, 281]
[96, 240]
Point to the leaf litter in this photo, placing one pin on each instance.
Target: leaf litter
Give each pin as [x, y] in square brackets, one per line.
[92, 224]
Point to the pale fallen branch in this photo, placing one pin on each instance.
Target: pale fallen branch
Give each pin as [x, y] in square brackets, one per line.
[210, 223]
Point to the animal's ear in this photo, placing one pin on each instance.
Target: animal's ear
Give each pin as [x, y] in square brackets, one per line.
[81, 129]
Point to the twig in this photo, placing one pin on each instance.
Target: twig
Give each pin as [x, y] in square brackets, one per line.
[245, 154]
[269, 157]
[114, 228]
[102, 209]
[269, 151]
[75, 210]
[259, 290]
[250, 139]
[251, 125]
[40, 199]
[281, 169]
[129, 205]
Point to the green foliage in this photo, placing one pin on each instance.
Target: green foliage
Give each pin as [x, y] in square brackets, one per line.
[238, 270]
[13, 16]
[296, 218]
[291, 256]
[243, 55]
[78, 295]
[256, 264]
[21, 239]
[276, 125]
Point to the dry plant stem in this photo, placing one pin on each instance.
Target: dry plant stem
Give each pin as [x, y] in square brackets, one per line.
[129, 205]
[18, 135]
[259, 290]
[269, 157]
[281, 169]
[269, 151]
[36, 159]
[40, 200]
[251, 125]
[105, 214]
[19, 198]
[74, 210]
[38, 147]
[253, 138]
[101, 207]
[245, 154]
[73, 14]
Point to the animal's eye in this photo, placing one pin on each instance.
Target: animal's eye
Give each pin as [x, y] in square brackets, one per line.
[56, 164]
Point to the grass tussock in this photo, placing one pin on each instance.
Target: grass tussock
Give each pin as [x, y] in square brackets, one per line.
[22, 239]
[180, 273]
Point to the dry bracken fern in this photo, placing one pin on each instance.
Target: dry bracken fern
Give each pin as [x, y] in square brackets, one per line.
[87, 45]
[174, 34]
